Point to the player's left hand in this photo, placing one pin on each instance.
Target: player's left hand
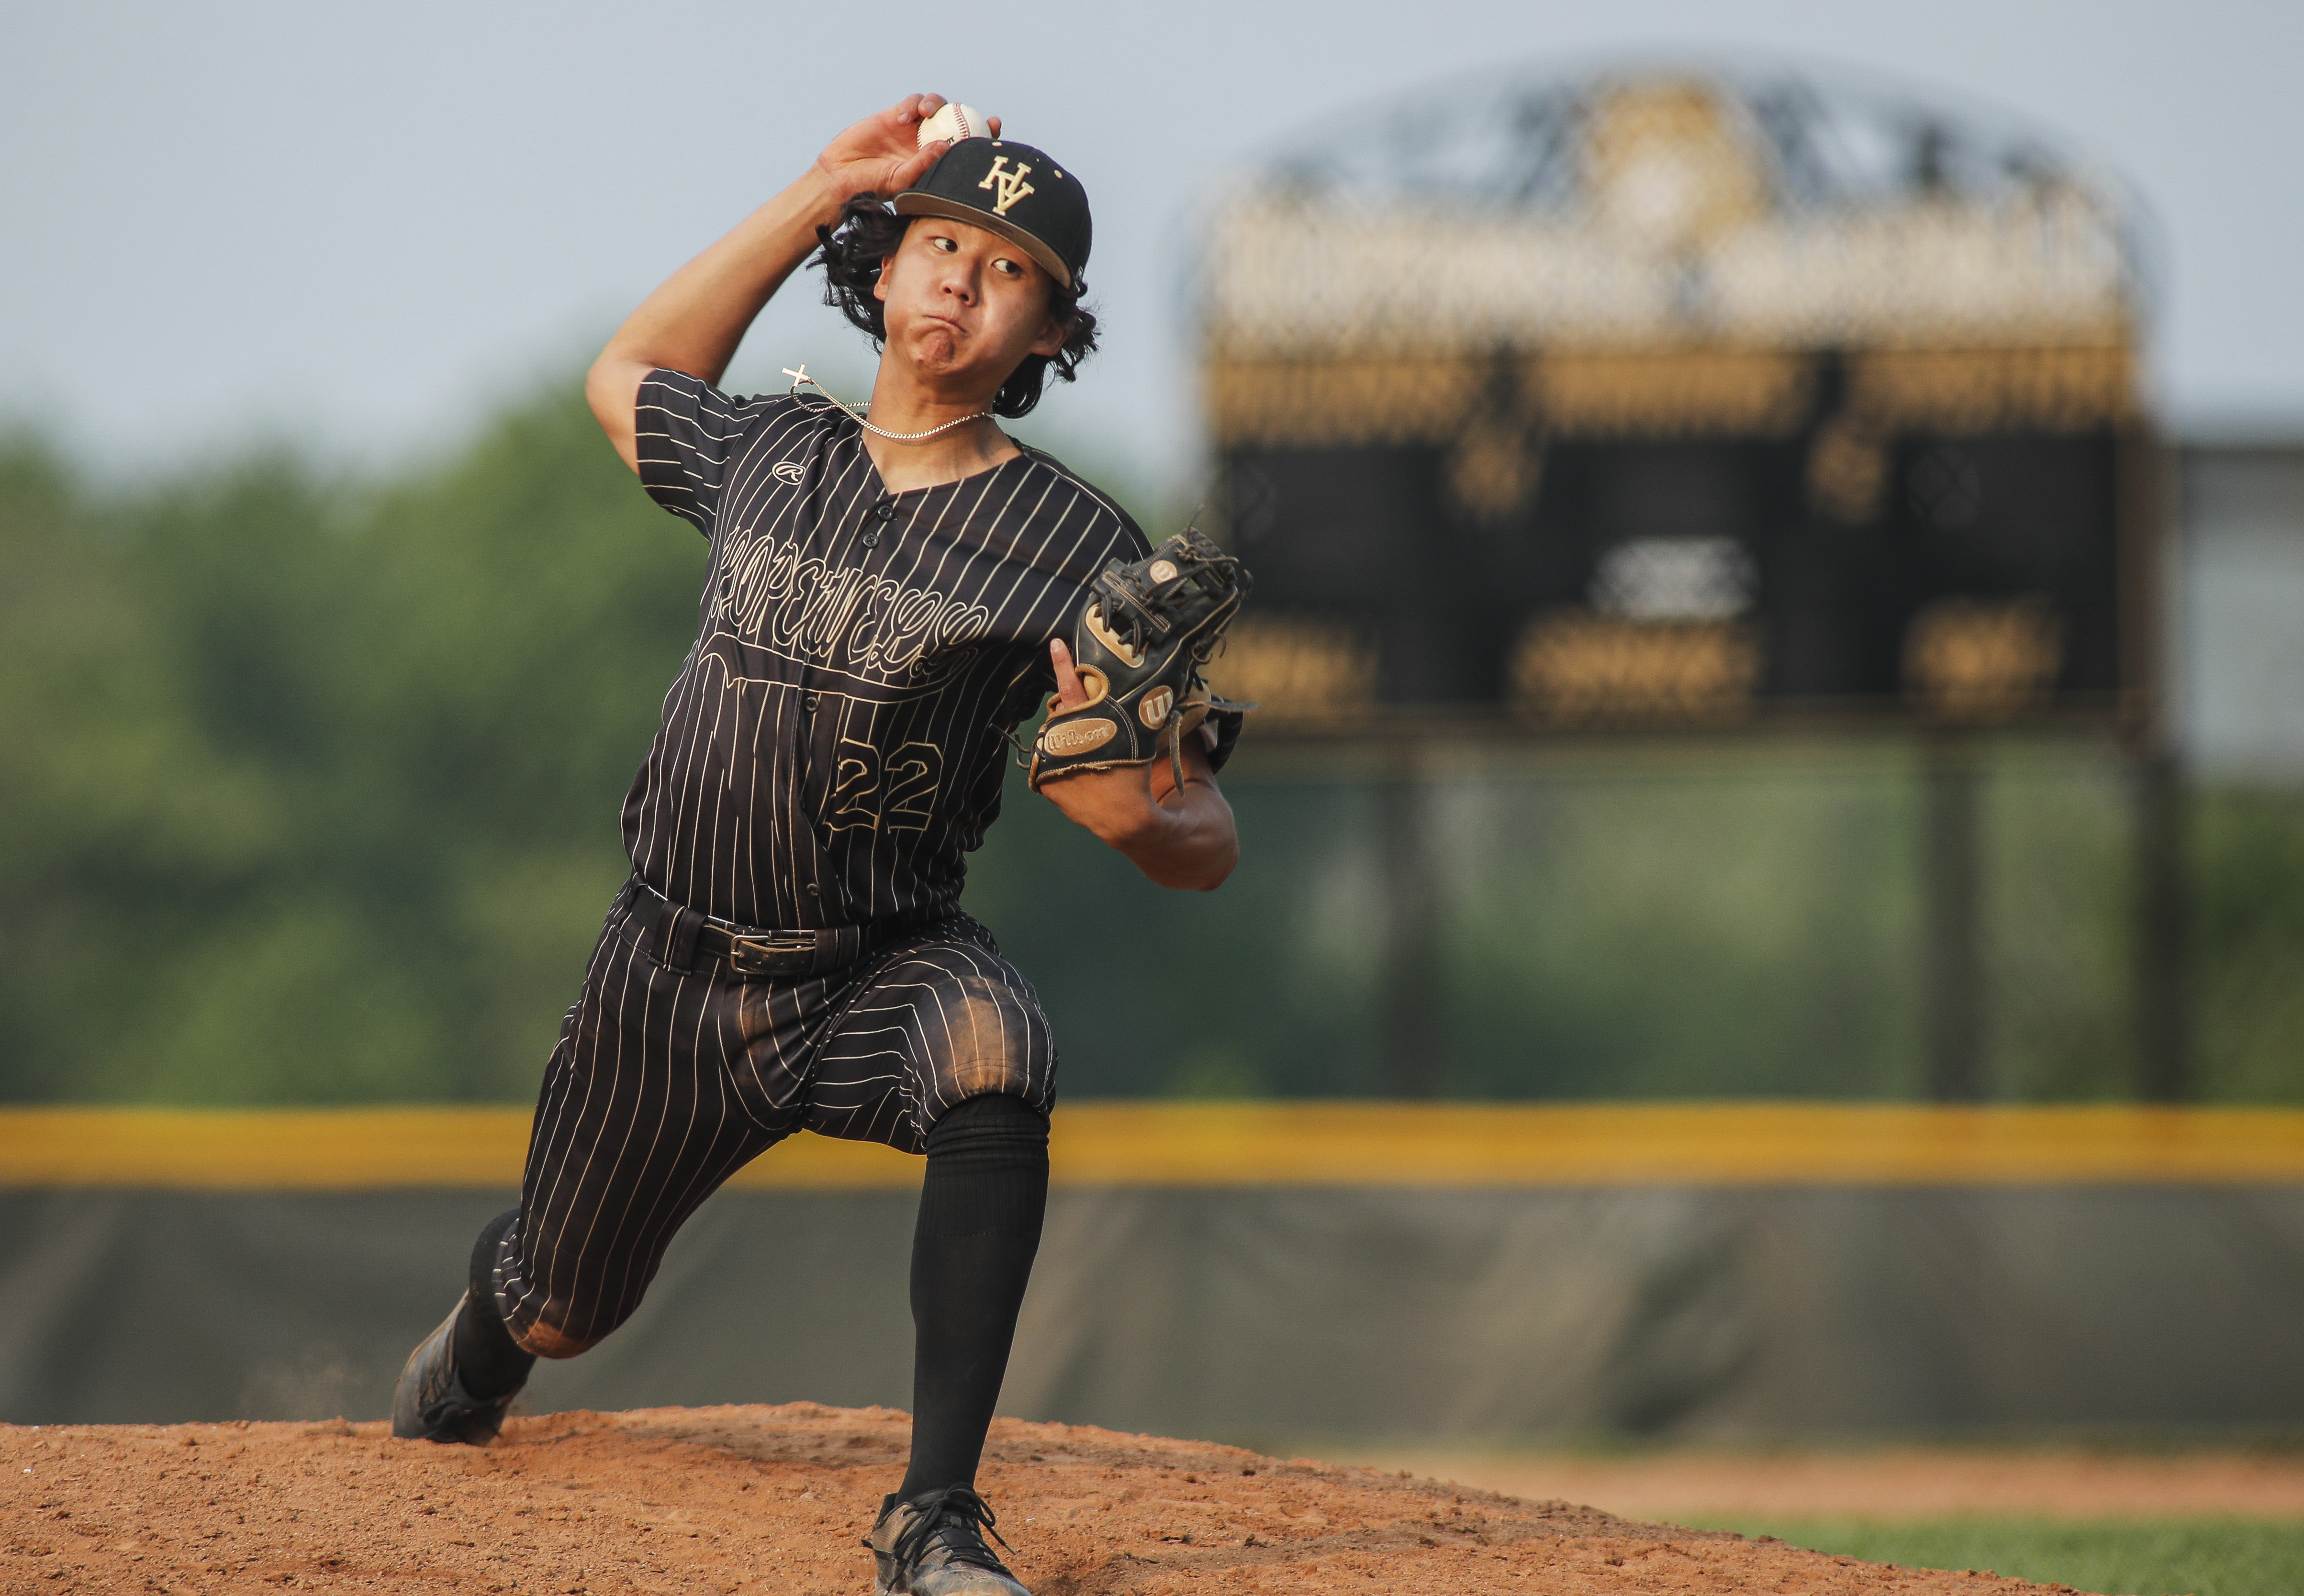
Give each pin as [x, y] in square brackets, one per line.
[1113, 803]
[881, 154]
[1179, 837]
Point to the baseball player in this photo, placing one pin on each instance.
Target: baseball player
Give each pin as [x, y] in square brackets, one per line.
[889, 594]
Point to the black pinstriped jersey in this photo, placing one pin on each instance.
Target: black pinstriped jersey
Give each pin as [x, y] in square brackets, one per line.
[833, 743]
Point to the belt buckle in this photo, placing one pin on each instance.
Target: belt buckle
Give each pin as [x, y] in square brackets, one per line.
[772, 952]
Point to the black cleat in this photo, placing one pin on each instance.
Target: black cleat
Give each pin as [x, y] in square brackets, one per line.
[431, 1402]
[932, 1546]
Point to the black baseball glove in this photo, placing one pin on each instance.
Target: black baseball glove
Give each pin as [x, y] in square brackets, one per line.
[1147, 629]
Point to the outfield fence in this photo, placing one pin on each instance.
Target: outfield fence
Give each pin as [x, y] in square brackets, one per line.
[1277, 1274]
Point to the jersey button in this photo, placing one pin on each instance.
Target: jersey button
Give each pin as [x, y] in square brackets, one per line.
[872, 540]
[884, 511]
[809, 701]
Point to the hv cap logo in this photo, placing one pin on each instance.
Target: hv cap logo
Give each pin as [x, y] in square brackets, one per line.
[1011, 185]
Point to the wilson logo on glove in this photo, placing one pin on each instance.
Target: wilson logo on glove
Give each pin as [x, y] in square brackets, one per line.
[1147, 629]
[1077, 737]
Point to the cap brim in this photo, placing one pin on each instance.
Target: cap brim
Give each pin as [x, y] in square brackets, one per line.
[913, 203]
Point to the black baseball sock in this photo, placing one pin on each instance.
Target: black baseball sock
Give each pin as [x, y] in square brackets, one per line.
[489, 1361]
[981, 1205]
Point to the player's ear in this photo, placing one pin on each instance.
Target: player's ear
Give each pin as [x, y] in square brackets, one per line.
[1051, 340]
[880, 281]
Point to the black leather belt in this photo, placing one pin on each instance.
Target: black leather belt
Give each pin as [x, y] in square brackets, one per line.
[684, 940]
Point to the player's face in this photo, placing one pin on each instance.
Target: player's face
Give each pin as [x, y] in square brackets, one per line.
[964, 305]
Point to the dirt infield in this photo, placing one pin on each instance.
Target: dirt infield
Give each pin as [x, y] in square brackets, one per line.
[1710, 1487]
[775, 1499]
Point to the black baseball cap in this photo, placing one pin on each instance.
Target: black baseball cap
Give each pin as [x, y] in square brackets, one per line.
[1012, 189]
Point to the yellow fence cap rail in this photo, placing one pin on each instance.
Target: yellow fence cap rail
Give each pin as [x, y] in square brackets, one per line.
[1233, 1144]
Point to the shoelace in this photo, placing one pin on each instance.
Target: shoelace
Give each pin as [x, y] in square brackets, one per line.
[955, 1512]
[1127, 620]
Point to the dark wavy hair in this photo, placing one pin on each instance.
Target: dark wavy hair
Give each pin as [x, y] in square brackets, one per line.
[869, 232]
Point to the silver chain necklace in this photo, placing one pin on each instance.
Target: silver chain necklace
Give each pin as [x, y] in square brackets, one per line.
[801, 375]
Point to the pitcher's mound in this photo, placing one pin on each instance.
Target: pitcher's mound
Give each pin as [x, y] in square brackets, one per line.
[775, 1499]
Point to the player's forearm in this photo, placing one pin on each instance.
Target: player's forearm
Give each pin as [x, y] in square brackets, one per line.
[694, 322]
[1187, 840]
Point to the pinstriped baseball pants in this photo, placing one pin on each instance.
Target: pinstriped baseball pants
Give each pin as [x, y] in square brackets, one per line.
[665, 1082]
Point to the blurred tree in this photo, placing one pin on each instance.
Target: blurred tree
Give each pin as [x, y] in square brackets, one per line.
[309, 787]
[127, 825]
[2248, 945]
[314, 788]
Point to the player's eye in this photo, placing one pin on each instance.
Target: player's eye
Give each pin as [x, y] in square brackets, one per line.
[1007, 268]
[944, 245]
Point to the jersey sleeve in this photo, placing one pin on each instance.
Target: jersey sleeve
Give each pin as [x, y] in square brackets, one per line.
[686, 432]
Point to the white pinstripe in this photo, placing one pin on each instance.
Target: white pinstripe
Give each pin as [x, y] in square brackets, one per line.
[665, 1083]
[725, 814]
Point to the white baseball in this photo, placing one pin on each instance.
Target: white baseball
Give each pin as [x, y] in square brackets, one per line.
[954, 122]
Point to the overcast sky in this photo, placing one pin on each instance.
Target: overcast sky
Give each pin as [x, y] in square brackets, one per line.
[359, 226]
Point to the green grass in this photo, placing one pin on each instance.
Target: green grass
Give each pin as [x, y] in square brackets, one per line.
[2207, 1557]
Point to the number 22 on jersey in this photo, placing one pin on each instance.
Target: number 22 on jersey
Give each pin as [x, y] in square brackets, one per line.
[891, 791]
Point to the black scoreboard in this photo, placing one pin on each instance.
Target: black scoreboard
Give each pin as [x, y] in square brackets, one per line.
[1968, 549]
